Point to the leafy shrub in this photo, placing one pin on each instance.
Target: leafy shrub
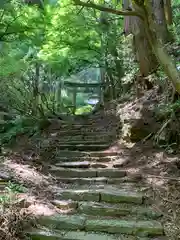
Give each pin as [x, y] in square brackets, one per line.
[20, 126]
[84, 110]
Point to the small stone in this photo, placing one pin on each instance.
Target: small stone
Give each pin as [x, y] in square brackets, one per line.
[120, 163]
[65, 205]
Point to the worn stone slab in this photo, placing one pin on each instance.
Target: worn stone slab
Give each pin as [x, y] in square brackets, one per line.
[82, 181]
[110, 173]
[103, 154]
[87, 173]
[107, 194]
[96, 180]
[139, 228]
[38, 234]
[80, 195]
[116, 210]
[98, 165]
[83, 142]
[81, 157]
[116, 195]
[86, 137]
[63, 222]
[117, 181]
[77, 164]
[76, 173]
[86, 133]
[84, 147]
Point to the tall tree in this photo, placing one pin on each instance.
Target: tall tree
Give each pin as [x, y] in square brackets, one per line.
[144, 10]
[134, 25]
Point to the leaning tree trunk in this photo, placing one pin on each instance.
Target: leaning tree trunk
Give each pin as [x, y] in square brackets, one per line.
[163, 57]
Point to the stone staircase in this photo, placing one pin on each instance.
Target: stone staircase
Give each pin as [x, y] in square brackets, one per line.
[97, 198]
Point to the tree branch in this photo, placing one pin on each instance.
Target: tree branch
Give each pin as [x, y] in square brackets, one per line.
[107, 9]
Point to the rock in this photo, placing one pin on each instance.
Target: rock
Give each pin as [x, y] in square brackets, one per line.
[5, 176]
[65, 205]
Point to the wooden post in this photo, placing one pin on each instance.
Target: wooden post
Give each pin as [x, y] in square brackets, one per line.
[101, 95]
[74, 100]
[58, 95]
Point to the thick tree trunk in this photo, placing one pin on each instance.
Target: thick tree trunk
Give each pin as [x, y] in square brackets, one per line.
[144, 55]
[163, 57]
[161, 25]
[168, 11]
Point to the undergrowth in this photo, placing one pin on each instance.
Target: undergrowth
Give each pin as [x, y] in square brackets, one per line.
[13, 221]
[13, 218]
[168, 135]
[22, 126]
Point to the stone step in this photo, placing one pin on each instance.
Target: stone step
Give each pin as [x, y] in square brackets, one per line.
[87, 173]
[110, 226]
[84, 147]
[96, 138]
[77, 132]
[82, 142]
[61, 159]
[41, 234]
[117, 210]
[99, 154]
[88, 126]
[97, 180]
[3, 185]
[124, 185]
[91, 164]
[106, 209]
[81, 164]
[106, 194]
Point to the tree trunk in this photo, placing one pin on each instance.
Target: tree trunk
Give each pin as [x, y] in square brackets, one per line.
[158, 48]
[168, 11]
[161, 26]
[36, 89]
[144, 55]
